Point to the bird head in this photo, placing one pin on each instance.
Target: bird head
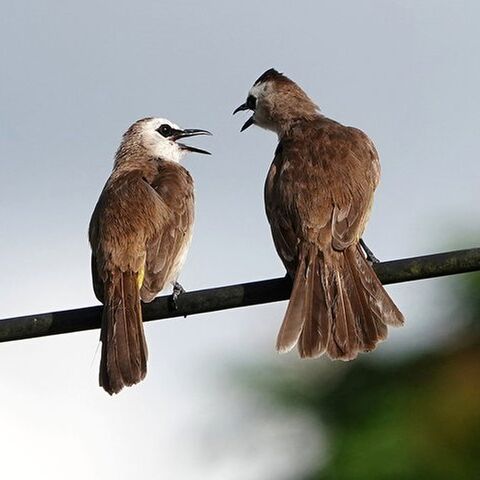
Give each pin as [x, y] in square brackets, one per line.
[276, 102]
[159, 137]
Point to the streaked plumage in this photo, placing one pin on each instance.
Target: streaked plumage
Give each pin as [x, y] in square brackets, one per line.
[140, 232]
[318, 195]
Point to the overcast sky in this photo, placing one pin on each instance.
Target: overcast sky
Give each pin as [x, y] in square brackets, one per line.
[75, 75]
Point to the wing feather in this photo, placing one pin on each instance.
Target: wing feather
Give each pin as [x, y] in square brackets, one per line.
[166, 250]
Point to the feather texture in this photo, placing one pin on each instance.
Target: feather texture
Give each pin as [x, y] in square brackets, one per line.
[140, 232]
[318, 196]
[124, 349]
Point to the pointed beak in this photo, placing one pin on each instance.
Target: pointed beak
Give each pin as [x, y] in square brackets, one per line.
[249, 122]
[240, 108]
[191, 132]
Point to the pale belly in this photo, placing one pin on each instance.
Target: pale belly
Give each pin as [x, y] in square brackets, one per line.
[181, 257]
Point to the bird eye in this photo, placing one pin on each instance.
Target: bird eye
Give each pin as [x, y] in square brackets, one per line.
[164, 130]
[251, 102]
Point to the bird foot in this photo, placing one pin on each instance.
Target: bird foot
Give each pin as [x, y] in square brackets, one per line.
[177, 291]
[369, 254]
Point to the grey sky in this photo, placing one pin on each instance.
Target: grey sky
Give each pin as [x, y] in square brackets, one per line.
[75, 75]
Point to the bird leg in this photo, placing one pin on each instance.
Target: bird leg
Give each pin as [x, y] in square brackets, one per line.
[177, 291]
[370, 256]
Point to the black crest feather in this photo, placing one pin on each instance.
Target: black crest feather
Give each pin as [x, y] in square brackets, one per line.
[270, 74]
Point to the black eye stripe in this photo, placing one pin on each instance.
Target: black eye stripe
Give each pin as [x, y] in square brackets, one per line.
[251, 102]
[165, 130]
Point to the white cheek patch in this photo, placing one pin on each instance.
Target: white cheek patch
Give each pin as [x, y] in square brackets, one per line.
[167, 150]
[258, 90]
[160, 146]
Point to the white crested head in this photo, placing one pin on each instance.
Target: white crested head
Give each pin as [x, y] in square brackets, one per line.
[277, 103]
[157, 137]
[260, 96]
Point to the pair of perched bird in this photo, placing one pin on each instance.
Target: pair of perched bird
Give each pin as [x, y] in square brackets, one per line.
[318, 196]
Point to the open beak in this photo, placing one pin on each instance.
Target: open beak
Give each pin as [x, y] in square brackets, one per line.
[249, 121]
[190, 132]
[240, 108]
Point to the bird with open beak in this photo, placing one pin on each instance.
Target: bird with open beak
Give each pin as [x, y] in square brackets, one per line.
[140, 232]
[318, 195]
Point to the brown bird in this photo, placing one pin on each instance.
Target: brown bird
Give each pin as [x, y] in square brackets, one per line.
[318, 195]
[140, 232]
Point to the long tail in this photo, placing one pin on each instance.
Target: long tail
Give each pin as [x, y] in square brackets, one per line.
[124, 349]
[338, 306]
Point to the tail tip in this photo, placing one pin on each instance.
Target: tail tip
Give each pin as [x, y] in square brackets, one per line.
[283, 347]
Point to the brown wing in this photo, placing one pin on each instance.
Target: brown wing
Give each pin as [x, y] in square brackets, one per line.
[127, 213]
[166, 250]
[320, 187]
[97, 280]
[280, 210]
[359, 171]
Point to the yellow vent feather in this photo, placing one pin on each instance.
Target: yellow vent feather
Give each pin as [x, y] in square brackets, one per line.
[140, 277]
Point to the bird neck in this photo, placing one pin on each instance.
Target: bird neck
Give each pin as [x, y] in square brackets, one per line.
[285, 128]
[145, 165]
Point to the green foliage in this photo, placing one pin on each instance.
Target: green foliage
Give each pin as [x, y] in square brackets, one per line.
[409, 418]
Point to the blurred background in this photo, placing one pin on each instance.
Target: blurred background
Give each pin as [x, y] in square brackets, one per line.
[413, 416]
[218, 402]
